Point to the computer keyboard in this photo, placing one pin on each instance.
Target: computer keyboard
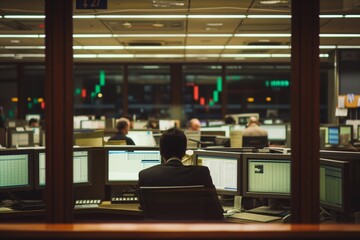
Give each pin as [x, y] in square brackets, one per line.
[24, 205]
[254, 217]
[87, 203]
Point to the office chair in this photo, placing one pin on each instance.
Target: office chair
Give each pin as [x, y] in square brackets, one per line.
[115, 142]
[255, 141]
[173, 202]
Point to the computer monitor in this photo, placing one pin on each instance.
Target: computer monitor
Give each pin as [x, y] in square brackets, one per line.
[193, 139]
[225, 128]
[142, 138]
[89, 138]
[20, 138]
[82, 162]
[276, 132]
[122, 165]
[92, 124]
[242, 118]
[32, 116]
[335, 185]
[77, 121]
[213, 123]
[267, 175]
[255, 141]
[166, 124]
[37, 134]
[334, 135]
[225, 170]
[346, 134]
[16, 170]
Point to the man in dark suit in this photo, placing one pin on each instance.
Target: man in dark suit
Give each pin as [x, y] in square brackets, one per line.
[173, 173]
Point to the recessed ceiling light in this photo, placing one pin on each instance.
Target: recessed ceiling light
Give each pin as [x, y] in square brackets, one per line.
[15, 41]
[270, 2]
[215, 24]
[158, 25]
[264, 40]
[127, 24]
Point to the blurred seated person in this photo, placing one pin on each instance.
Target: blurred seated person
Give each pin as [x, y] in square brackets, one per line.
[123, 129]
[130, 120]
[152, 124]
[194, 124]
[253, 128]
[172, 172]
[229, 120]
[33, 122]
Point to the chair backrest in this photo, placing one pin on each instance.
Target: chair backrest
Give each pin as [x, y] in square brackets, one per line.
[173, 202]
[255, 141]
[115, 142]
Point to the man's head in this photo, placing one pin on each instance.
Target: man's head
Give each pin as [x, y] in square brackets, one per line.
[129, 118]
[253, 120]
[194, 124]
[33, 122]
[173, 143]
[229, 120]
[123, 126]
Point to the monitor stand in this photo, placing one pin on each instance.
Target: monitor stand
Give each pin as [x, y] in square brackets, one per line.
[275, 208]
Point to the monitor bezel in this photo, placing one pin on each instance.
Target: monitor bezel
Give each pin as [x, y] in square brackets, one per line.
[30, 184]
[123, 148]
[36, 168]
[263, 156]
[346, 183]
[237, 155]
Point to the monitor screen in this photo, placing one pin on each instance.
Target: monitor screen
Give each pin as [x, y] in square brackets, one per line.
[15, 170]
[333, 178]
[32, 116]
[142, 138]
[81, 167]
[77, 121]
[346, 134]
[225, 128]
[276, 132]
[267, 175]
[92, 124]
[224, 169]
[123, 166]
[333, 135]
[166, 124]
[21, 139]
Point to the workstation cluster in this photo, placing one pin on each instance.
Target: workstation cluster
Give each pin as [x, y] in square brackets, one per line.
[247, 182]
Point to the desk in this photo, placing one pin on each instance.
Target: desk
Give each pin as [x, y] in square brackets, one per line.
[106, 212]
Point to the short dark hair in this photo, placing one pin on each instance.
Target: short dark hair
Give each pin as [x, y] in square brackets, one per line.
[121, 125]
[173, 143]
[230, 120]
[33, 120]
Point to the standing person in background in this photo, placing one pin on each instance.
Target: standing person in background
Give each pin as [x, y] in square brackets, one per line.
[253, 128]
[123, 129]
[194, 124]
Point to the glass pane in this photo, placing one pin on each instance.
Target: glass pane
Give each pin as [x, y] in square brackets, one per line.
[339, 129]
[149, 91]
[22, 75]
[98, 90]
[202, 91]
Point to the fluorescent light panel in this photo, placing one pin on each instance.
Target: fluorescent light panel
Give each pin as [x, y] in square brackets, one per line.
[161, 55]
[189, 47]
[182, 16]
